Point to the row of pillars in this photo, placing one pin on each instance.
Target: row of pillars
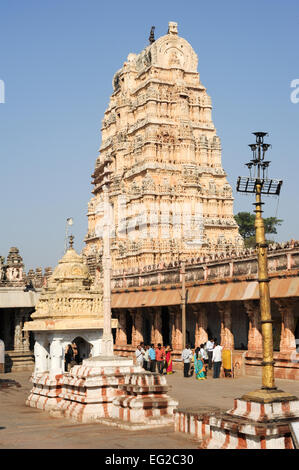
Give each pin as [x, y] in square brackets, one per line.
[13, 335]
[285, 307]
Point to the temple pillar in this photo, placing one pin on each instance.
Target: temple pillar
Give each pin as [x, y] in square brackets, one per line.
[18, 335]
[26, 342]
[177, 335]
[121, 333]
[57, 357]
[137, 336]
[7, 337]
[172, 326]
[156, 334]
[40, 355]
[255, 341]
[227, 337]
[201, 326]
[287, 338]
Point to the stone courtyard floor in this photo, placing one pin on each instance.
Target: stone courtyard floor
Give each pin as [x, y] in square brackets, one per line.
[22, 427]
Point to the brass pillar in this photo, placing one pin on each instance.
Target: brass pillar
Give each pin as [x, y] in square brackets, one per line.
[268, 381]
[268, 393]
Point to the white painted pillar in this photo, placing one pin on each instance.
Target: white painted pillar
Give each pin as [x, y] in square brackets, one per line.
[57, 357]
[41, 356]
[96, 350]
[107, 340]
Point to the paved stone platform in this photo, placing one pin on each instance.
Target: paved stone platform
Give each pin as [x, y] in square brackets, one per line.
[22, 427]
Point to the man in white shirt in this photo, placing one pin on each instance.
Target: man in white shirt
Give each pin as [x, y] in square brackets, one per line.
[205, 357]
[186, 357]
[139, 356]
[210, 347]
[217, 360]
[146, 363]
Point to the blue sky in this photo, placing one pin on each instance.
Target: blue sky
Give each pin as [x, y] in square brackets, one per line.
[57, 61]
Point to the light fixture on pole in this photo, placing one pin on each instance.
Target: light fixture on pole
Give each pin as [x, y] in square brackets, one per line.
[258, 184]
[69, 222]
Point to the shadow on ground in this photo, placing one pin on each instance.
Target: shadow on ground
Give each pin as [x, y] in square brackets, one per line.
[7, 383]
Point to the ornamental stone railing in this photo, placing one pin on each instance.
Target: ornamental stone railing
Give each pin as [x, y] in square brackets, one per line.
[281, 257]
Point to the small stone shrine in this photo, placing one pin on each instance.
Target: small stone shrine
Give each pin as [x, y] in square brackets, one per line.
[69, 308]
[107, 389]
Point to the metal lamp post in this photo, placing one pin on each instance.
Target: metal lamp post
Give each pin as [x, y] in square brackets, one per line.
[259, 183]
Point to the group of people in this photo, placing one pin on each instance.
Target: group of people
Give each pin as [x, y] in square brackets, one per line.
[205, 357]
[153, 359]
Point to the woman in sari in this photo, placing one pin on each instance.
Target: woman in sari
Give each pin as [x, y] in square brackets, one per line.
[199, 367]
[168, 360]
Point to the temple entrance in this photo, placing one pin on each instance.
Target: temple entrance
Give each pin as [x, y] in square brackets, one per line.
[190, 326]
[239, 326]
[214, 327]
[129, 326]
[165, 326]
[147, 329]
[84, 348]
[297, 334]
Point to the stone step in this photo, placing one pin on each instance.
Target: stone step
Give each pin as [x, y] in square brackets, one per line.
[139, 389]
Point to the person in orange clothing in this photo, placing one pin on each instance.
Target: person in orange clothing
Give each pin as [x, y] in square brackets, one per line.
[160, 358]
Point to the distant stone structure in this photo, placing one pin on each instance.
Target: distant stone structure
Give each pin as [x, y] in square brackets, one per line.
[18, 296]
[69, 307]
[104, 387]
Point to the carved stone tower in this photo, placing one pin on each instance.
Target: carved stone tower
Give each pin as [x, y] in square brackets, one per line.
[169, 194]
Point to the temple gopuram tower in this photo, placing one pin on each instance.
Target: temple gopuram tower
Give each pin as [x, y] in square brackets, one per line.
[169, 196]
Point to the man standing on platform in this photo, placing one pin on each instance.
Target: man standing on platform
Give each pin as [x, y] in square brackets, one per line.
[160, 358]
[152, 358]
[217, 359]
[186, 357]
[139, 356]
[146, 359]
[210, 347]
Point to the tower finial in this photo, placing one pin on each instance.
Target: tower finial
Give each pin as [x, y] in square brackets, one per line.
[172, 28]
[71, 241]
[152, 35]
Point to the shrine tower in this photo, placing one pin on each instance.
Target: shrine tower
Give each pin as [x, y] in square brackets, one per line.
[169, 196]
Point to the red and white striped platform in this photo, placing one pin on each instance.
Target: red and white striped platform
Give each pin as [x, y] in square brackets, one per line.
[248, 425]
[113, 391]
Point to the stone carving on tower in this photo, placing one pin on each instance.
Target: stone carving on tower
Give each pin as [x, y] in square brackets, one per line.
[169, 194]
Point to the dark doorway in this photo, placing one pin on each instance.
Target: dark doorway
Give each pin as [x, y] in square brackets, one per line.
[165, 325]
[147, 330]
[129, 326]
[84, 348]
